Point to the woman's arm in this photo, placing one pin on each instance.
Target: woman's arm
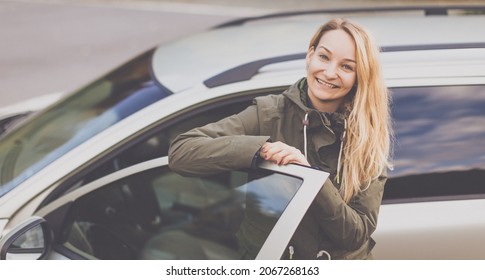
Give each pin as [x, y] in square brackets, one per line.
[228, 144]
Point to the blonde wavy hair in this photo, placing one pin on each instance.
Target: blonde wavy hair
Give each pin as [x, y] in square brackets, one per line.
[367, 144]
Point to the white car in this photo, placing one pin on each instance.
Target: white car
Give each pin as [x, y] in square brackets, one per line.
[87, 177]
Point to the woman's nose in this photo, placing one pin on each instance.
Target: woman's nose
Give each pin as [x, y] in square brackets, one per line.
[330, 71]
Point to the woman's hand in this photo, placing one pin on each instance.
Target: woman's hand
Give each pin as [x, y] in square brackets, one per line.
[282, 154]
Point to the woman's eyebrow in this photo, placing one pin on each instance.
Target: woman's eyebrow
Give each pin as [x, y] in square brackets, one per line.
[329, 51]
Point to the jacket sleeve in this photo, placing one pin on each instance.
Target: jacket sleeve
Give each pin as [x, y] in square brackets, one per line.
[228, 144]
[349, 225]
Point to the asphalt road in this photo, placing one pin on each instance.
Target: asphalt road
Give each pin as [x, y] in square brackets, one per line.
[54, 47]
[50, 46]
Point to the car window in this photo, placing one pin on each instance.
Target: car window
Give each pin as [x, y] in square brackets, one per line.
[49, 134]
[439, 152]
[155, 142]
[158, 214]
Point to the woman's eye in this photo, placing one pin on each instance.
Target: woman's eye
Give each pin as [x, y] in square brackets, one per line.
[348, 67]
[324, 56]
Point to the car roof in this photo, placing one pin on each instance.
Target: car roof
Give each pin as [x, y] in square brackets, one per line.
[207, 58]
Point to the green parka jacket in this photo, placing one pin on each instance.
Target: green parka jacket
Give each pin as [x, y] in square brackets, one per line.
[330, 227]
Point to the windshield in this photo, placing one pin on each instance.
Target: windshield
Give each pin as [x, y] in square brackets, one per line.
[49, 134]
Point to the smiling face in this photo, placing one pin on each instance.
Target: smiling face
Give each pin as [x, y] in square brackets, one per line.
[331, 70]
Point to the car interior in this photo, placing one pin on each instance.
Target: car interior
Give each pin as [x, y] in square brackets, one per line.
[157, 214]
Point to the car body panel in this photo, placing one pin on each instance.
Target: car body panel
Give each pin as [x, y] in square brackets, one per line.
[429, 234]
[430, 64]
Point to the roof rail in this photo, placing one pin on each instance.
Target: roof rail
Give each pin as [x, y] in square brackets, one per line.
[404, 48]
[428, 11]
[248, 70]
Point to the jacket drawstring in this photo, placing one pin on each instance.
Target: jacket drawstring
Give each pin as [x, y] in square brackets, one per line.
[323, 252]
[306, 122]
[339, 165]
[305, 125]
[291, 252]
[342, 139]
[320, 254]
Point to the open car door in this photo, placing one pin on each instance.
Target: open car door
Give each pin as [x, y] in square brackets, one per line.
[146, 211]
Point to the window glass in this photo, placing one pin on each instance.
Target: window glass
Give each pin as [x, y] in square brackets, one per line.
[154, 143]
[158, 214]
[50, 134]
[440, 134]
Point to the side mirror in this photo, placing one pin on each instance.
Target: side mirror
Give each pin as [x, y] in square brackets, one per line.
[29, 241]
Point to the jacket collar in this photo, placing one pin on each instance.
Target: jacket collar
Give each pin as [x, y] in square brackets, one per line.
[298, 94]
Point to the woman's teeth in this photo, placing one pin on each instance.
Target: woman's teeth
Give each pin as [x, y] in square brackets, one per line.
[326, 84]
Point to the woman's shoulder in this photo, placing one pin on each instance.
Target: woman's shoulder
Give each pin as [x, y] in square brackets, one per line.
[269, 100]
[279, 99]
[271, 104]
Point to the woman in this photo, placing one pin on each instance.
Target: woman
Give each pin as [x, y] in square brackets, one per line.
[336, 119]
